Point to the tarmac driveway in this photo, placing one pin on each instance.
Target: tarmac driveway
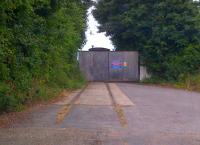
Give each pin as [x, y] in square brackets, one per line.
[112, 114]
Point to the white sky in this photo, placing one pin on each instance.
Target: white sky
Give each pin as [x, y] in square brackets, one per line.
[93, 37]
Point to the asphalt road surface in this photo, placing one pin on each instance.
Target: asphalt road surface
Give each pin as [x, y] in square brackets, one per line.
[112, 114]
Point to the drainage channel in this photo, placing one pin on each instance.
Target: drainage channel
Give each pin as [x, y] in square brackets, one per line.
[64, 111]
[114, 103]
[117, 108]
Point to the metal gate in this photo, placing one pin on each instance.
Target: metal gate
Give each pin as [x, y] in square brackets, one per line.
[109, 65]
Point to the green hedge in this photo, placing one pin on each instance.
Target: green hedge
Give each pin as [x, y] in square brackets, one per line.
[38, 44]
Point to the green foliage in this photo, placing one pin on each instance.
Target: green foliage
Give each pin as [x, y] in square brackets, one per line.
[189, 82]
[165, 32]
[4, 100]
[38, 44]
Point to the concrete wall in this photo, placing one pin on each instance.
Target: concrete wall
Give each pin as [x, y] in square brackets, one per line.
[143, 73]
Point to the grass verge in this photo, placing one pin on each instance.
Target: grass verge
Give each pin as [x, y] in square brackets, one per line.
[16, 100]
[187, 82]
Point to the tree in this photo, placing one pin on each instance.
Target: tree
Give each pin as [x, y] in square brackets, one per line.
[162, 31]
[38, 44]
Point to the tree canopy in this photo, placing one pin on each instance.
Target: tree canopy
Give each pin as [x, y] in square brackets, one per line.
[38, 44]
[165, 32]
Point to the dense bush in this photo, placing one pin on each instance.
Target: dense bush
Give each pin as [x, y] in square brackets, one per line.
[165, 32]
[38, 44]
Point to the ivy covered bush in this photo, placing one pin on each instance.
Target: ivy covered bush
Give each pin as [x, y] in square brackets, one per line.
[39, 40]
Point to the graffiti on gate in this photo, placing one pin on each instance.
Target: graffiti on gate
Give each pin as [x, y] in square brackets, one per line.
[119, 65]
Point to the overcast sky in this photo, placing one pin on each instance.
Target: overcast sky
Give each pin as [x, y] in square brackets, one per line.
[92, 36]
